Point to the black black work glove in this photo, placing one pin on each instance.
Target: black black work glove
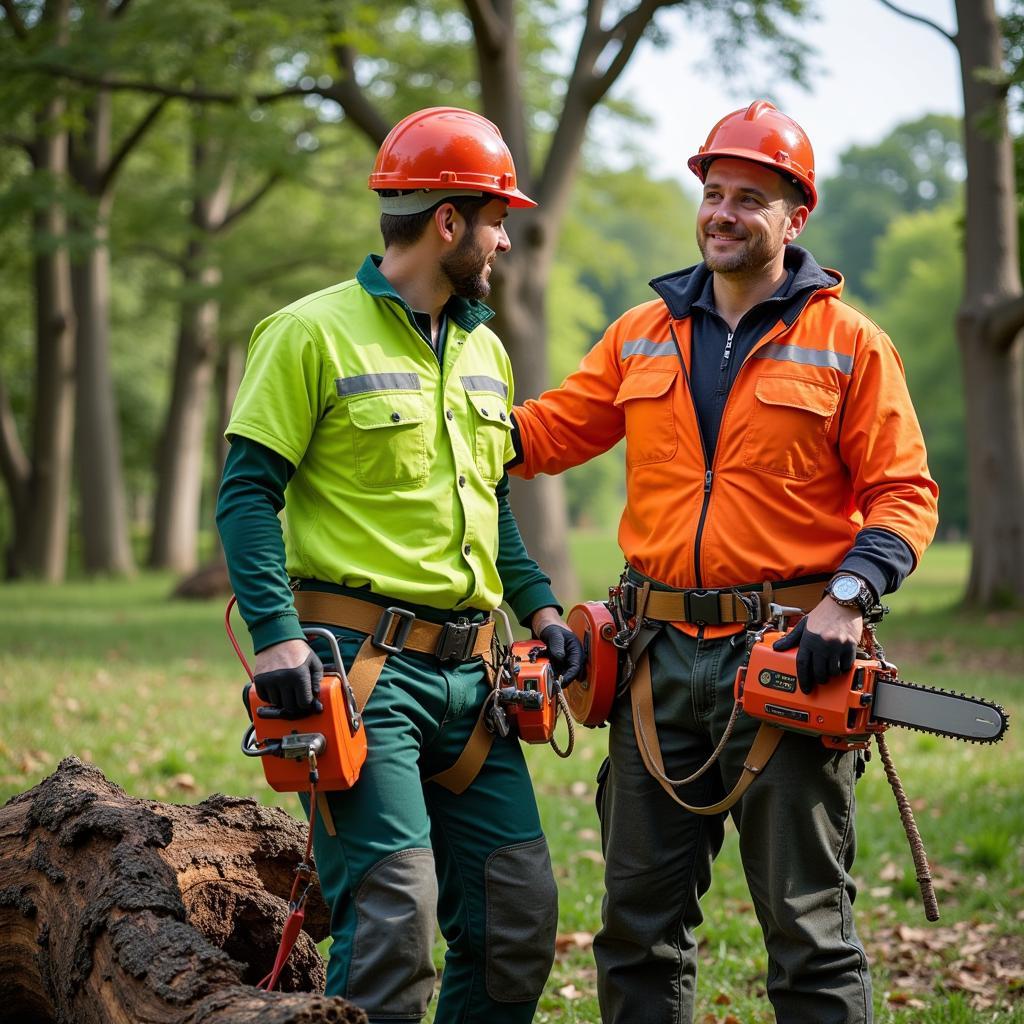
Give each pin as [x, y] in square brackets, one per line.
[564, 650]
[293, 690]
[818, 659]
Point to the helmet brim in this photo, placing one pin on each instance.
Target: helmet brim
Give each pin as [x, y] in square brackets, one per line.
[698, 164]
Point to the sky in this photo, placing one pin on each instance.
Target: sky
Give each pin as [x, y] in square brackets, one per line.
[876, 70]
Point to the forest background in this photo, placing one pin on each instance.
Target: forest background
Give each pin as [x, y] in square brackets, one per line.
[169, 174]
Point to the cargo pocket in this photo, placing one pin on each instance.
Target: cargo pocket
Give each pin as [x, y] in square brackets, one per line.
[789, 426]
[645, 398]
[522, 920]
[392, 972]
[491, 429]
[389, 437]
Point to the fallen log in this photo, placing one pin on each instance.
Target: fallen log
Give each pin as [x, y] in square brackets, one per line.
[115, 910]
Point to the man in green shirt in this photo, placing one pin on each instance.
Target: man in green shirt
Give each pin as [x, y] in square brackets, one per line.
[375, 413]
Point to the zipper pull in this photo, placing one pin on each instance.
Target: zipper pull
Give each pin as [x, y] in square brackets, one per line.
[707, 481]
[727, 354]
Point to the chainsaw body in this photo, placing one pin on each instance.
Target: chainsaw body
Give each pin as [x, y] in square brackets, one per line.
[839, 711]
[334, 735]
[531, 700]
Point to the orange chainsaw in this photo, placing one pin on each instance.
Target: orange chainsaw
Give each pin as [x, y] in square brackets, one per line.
[527, 696]
[847, 710]
[331, 738]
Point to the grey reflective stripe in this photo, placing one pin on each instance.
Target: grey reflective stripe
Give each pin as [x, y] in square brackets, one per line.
[646, 347]
[480, 382]
[806, 356]
[377, 382]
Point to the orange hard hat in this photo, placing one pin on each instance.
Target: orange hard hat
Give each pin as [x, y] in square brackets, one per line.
[767, 136]
[445, 149]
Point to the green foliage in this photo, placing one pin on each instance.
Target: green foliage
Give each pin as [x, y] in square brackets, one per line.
[917, 166]
[918, 278]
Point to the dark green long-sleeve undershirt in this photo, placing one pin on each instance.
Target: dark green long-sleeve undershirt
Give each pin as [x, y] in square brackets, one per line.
[252, 494]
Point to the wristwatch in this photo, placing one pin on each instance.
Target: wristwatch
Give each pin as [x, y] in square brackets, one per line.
[851, 592]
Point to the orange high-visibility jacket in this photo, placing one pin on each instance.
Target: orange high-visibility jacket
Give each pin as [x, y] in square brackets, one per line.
[818, 440]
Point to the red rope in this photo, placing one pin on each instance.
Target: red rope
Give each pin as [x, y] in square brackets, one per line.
[296, 903]
[231, 637]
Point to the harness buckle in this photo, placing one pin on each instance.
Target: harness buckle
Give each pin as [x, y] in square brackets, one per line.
[702, 607]
[457, 640]
[402, 619]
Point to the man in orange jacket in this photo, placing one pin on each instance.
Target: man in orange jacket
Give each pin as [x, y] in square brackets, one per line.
[772, 454]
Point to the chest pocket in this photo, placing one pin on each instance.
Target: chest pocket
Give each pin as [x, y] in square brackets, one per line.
[789, 426]
[645, 397]
[389, 438]
[491, 429]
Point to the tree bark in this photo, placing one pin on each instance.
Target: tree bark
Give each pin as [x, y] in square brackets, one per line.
[118, 909]
[989, 322]
[42, 508]
[16, 470]
[106, 547]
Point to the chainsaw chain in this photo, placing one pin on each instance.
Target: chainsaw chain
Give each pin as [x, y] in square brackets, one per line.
[992, 705]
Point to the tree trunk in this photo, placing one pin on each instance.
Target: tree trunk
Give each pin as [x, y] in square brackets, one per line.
[117, 909]
[990, 319]
[175, 540]
[40, 544]
[106, 546]
[15, 470]
[520, 302]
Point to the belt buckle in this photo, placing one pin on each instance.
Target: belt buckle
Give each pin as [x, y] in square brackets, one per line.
[702, 607]
[457, 640]
[389, 616]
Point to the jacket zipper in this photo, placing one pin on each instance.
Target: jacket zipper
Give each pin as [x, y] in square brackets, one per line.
[708, 475]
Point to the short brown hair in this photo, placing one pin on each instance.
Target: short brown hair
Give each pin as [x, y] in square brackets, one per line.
[406, 230]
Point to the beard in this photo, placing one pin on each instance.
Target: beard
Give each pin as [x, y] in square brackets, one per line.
[753, 254]
[464, 268]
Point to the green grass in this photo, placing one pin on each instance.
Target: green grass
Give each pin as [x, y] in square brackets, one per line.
[148, 689]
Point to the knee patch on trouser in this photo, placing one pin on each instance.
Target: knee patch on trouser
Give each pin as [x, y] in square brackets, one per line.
[391, 971]
[522, 918]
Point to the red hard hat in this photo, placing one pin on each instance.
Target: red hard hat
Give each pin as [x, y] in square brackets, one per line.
[447, 148]
[767, 136]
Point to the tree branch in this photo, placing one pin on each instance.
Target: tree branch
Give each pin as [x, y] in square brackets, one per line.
[156, 89]
[628, 30]
[246, 205]
[1006, 321]
[919, 18]
[133, 138]
[347, 92]
[17, 25]
[487, 26]
[119, 8]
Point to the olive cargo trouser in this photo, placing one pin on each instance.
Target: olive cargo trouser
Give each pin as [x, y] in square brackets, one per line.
[796, 838]
[409, 852]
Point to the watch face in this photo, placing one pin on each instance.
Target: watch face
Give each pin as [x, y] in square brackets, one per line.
[845, 588]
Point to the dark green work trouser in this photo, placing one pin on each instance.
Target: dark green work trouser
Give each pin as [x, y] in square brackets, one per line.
[408, 853]
[796, 832]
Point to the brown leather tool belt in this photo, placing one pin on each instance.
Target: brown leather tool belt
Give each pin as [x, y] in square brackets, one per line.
[394, 629]
[746, 604]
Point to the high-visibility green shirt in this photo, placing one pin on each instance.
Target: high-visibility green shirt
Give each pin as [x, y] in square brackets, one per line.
[396, 455]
